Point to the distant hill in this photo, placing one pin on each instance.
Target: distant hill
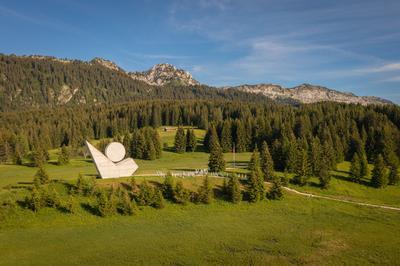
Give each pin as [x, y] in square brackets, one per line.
[35, 81]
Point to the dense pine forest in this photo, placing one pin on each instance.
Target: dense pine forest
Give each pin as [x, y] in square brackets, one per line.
[335, 132]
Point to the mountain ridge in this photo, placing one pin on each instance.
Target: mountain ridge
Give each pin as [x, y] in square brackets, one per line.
[61, 81]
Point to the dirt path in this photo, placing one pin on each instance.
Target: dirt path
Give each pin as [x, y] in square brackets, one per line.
[340, 200]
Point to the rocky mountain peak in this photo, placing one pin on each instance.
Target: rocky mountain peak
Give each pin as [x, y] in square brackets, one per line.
[162, 74]
[106, 63]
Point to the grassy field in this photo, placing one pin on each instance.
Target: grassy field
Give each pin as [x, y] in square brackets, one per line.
[296, 230]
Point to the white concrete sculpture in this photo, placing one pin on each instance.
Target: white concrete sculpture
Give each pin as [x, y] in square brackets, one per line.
[111, 164]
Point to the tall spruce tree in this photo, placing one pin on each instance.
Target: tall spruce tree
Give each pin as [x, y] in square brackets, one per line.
[379, 176]
[255, 182]
[276, 190]
[267, 164]
[302, 166]
[233, 189]
[216, 162]
[180, 140]
[205, 191]
[323, 173]
[63, 157]
[191, 140]
[226, 136]
[355, 168]
[394, 176]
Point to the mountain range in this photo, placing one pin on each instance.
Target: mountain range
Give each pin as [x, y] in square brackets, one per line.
[34, 81]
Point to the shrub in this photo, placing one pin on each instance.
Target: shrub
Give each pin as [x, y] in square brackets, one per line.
[205, 192]
[233, 189]
[181, 194]
[106, 203]
[168, 187]
[85, 186]
[158, 201]
[276, 191]
[125, 205]
[145, 195]
[41, 177]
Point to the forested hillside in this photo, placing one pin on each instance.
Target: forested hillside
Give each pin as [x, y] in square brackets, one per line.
[338, 130]
[37, 81]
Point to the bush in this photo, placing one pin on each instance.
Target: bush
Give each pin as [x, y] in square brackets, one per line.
[181, 194]
[126, 205]
[168, 187]
[106, 203]
[205, 192]
[85, 186]
[233, 189]
[41, 177]
[276, 191]
[145, 196]
[71, 205]
[158, 200]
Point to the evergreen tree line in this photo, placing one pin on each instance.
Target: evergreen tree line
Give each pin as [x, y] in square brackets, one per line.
[342, 130]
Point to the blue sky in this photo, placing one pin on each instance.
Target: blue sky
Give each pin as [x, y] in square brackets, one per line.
[346, 45]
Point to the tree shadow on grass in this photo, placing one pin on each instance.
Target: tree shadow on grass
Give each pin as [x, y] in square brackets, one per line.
[364, 182]
[90, 208]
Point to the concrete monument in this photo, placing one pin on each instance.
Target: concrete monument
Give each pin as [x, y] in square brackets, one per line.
[112, 165]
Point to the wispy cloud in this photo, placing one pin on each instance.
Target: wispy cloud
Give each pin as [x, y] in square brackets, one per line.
[45, 22]
[389, 67]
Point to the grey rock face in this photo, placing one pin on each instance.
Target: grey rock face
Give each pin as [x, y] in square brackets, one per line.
[162, 74]
[307, 93]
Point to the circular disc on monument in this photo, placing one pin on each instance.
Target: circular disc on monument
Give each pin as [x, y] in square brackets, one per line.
[115, 151]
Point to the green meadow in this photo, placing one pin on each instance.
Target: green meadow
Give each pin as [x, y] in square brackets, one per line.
[294, 231]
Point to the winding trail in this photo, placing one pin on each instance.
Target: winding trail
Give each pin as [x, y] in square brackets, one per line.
[341, 200]
[310, 195]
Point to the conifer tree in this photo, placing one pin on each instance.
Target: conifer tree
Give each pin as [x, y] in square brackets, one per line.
[240, 137]
[226, 136]
[41, 177]
[233, 189]
[267, 164]
[168, 187]
[355, 168]
[150, 152]
[364, 171]
[276, 191]
[323, 173]
[158, 201]
[180, 140]
[157, 143]
[394, 176]
[216, 162]
[126, 206]
[316, 154]
[379, 177]
[210, 138]
[191, 140]
[146, 194]
[63, 157]
[301, 167]
[181, 194]
[256, 189]
[205, 192]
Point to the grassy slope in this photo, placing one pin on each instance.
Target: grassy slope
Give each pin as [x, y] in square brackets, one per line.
[296, 230]
[293, 231]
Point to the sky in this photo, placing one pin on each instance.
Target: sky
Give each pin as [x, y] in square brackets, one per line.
[345, 45]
